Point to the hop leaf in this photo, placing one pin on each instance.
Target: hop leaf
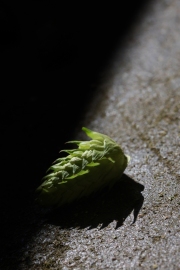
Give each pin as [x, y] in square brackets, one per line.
[93, 165]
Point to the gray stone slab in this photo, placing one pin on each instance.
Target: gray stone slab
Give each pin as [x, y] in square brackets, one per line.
[138, 105]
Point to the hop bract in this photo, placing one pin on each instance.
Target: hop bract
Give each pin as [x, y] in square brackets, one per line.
[93, 165]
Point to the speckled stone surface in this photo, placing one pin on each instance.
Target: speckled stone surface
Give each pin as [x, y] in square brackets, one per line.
[138, 105]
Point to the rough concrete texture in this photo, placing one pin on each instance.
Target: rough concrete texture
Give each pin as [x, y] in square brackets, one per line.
[138, 105]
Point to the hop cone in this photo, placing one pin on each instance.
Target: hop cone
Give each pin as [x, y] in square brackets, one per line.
[93, 165]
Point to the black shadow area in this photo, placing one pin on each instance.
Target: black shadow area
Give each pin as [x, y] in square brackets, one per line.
[101, 208]
[51, 56]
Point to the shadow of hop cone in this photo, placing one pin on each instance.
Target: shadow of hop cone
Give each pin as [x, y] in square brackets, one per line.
[95, 164]
[101, 208]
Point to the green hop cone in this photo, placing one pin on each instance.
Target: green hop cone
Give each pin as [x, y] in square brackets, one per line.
[93, 165]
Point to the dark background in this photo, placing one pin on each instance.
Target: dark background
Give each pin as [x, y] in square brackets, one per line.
[51, 57]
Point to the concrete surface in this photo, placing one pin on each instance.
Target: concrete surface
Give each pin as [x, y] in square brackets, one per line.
[138, 105]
